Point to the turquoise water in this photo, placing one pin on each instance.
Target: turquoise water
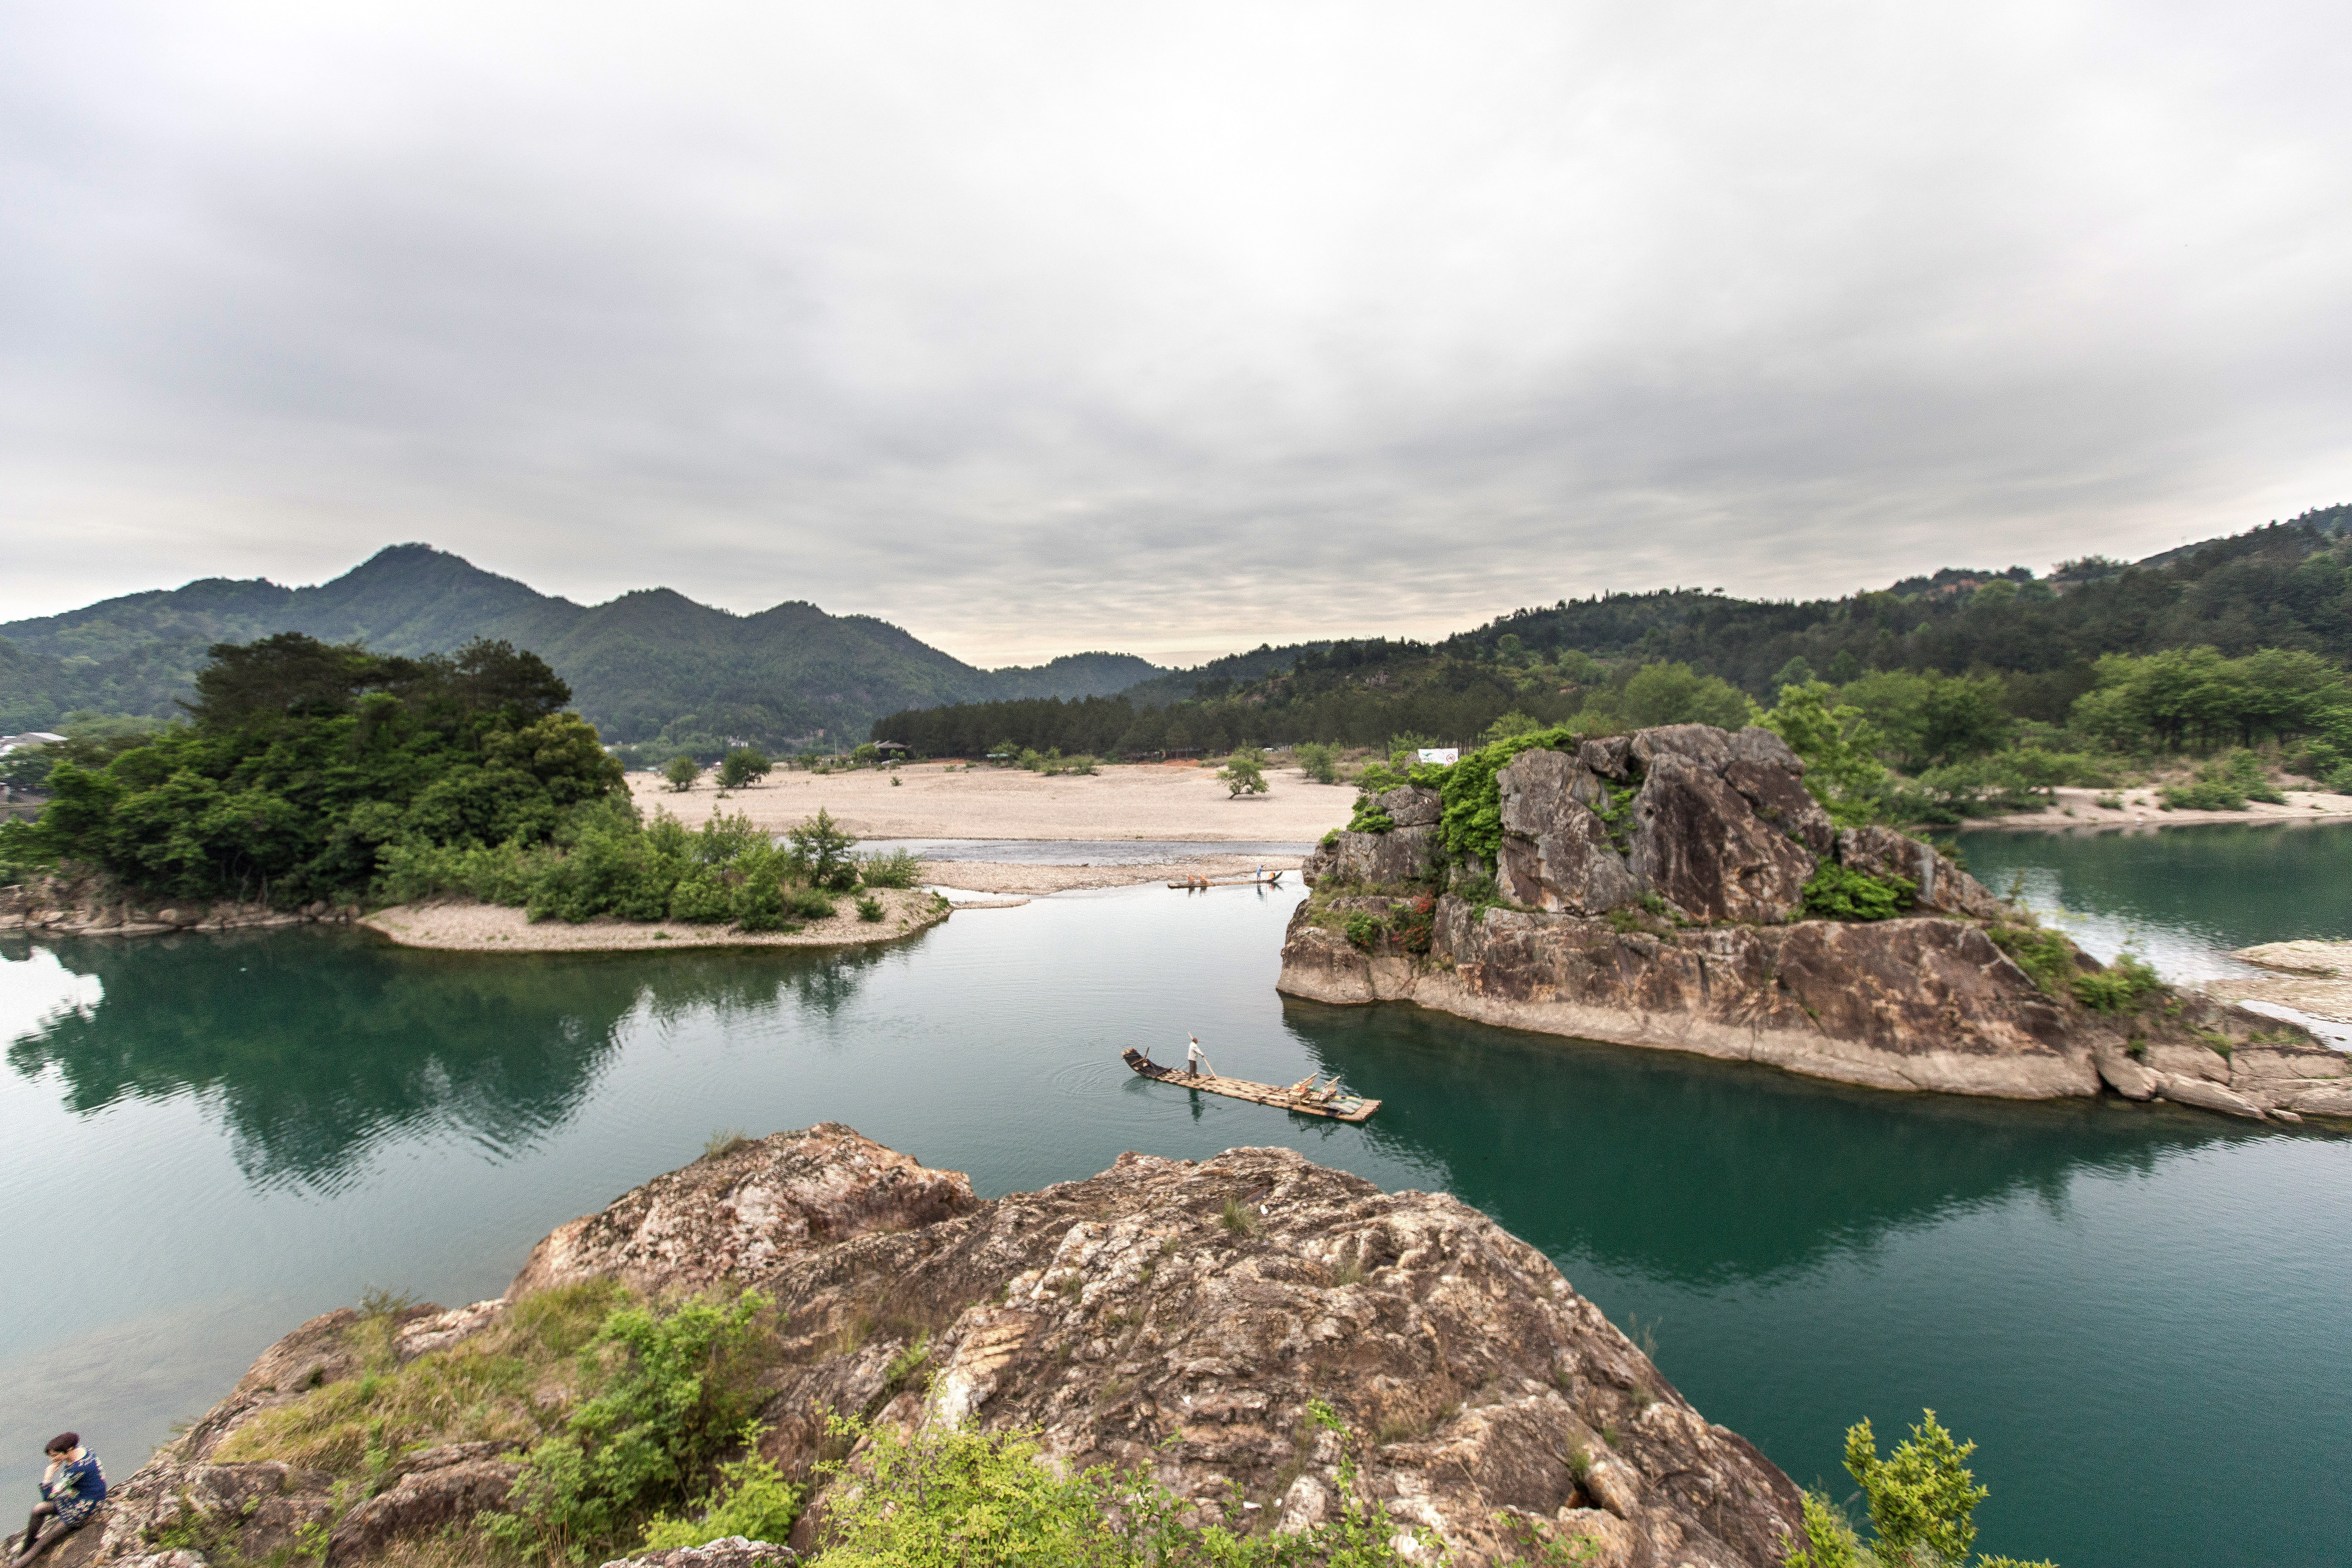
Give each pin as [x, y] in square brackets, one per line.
[2142, 1314]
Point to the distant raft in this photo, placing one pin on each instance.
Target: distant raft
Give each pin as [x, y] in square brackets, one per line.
[1304, 1097]
[1271, 880]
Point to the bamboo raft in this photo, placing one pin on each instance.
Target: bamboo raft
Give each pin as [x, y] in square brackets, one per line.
[1329, 1101]
[1271, 878]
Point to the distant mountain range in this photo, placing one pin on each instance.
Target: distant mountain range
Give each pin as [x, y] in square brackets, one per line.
[647, 666]
[656, 666]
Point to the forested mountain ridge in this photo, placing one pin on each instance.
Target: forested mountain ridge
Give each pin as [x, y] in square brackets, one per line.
[648, 665]
[2029, 647]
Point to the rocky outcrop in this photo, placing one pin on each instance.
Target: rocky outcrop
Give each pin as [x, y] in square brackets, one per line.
[720, 1219]
[1651, 884]
[1175, 1316]
[427, 1492]
[90, 906]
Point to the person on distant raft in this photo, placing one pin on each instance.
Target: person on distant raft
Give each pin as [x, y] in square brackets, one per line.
[1193, 1059]
[71, 1489]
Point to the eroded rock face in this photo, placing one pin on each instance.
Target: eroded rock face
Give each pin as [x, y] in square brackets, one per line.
[1127, 1322]
[722, 1218]
[1659, 876]
[1374, 859]
[1719, 826]
[1919, 1003]
[440, 1487]
[1943, 887]
[1127, 1319]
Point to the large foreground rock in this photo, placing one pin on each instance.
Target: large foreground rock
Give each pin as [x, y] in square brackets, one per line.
[1171, 1315]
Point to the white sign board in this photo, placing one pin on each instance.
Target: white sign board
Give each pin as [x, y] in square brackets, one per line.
[1444, 756]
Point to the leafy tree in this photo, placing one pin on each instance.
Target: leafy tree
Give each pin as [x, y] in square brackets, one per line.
[822, 852]
[1244, 773]
[743, 765]
[1677, 694]
[1922, 1501]
[681, 771]
[1835, 743]
[1319, 762]
[305, 765]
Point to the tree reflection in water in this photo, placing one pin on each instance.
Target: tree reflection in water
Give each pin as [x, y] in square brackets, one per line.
[316, 1045]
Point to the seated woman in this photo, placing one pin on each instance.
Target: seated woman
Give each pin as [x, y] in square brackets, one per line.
[71, 1489]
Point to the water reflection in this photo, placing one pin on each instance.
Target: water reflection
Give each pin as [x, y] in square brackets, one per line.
[1705, 1173]
[317, 1045]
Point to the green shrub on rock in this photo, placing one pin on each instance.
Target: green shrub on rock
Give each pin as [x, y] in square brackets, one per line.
[677, 1389]
[1841, 893]
[948, 1498]
[2118, 987]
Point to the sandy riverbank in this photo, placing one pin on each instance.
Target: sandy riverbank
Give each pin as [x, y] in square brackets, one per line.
[499, 928]
[1174, 802]
[1007, 877]
[2141, 808]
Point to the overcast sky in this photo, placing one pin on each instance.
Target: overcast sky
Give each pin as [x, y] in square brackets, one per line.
[1037, 328]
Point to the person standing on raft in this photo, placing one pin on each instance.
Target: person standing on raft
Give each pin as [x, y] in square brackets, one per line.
[71, 1489]
[1194, 1061]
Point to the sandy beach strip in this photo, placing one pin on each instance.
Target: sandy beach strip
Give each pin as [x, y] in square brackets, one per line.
[2142, 809]
[501, 928]
[1011, 877]
[1179, 802]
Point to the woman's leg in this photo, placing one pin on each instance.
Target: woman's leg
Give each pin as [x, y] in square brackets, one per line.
[33, 1526]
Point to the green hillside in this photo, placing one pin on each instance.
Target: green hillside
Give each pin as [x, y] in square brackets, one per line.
[647, 666]
[1947, 666]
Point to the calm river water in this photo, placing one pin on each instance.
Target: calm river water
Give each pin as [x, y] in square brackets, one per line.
[2143, 1315]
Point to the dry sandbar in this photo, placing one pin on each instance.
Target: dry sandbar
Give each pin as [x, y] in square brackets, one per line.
[1175, 801]
[465, 927]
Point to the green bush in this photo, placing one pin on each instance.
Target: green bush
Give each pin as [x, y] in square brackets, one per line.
[2119, 987]
[958, 1499]
[1365, 930]
[1841, 893]
[2225, 783]
[681, 771]
[608, 871]
[1922, 1500]
[899, 869]
[679, 1389]
[809, 904]
[701, 897]
[754, 1502]
[1471, 818]
[869, 910]
[2047, 958]
[1319, 762]
[760, 905]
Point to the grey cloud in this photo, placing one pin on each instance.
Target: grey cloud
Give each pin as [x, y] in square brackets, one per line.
[1050, 327]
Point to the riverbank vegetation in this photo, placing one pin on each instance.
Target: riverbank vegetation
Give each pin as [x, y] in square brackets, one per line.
[310, 771]
[300, 763]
